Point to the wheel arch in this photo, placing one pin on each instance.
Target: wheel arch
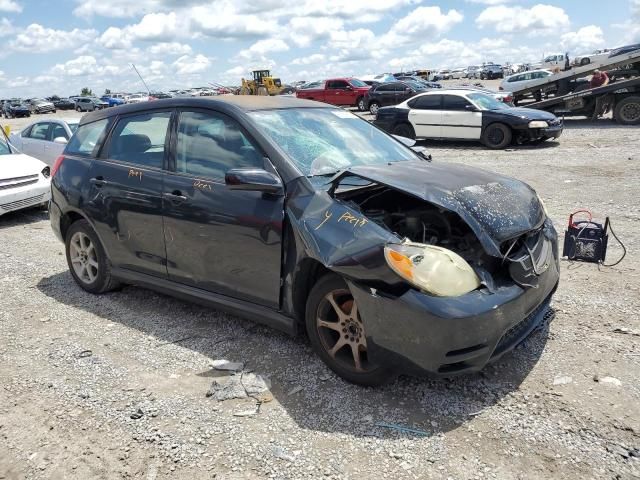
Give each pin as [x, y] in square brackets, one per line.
[306, 275]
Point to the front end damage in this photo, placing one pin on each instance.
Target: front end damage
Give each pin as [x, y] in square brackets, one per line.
[493, 225]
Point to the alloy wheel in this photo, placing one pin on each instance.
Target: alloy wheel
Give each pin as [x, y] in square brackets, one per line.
[84, 258]
[341, 331]
[496, 136]
[373, 108]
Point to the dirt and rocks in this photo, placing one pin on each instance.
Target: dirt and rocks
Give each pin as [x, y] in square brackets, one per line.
[123, 385]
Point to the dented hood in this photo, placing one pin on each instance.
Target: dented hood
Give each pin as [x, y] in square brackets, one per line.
[497, 208]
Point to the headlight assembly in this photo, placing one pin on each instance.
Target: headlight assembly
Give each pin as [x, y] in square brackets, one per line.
[435, 270]
[538, 124]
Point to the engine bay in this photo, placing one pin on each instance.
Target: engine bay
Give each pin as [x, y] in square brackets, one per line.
[420, 222]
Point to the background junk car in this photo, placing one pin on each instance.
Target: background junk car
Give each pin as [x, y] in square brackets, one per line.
[24, 180]
[46, 139]
[467, 115]
[284, 211]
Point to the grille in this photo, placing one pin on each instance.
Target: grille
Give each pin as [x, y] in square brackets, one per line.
[15, 182]
[519, 330]
[25, 202]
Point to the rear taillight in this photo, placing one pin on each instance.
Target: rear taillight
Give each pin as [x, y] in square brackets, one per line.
[56, 165]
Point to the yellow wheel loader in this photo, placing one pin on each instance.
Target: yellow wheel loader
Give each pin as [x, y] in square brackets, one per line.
[262, 84]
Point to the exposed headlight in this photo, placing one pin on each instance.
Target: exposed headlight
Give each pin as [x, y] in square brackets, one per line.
[46, 172]
[538, 124]
[434, 270]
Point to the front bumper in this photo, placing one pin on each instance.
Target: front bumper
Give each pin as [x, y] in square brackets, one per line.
[32, 195]
[419, 333]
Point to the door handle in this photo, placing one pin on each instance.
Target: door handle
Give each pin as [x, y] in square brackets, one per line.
[175, 196]
[98, 181]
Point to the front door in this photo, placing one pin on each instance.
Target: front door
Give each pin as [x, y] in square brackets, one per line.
[458, 121]
[33, 144]
[125, 201]
[425, 115]
[339, 92]
[217, 239]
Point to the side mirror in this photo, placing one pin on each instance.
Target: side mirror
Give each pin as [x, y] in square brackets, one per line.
[253, 179]
[470, 108]
[60, 140]
[348, 87]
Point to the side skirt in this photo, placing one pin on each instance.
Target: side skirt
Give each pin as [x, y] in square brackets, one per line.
[251, 311]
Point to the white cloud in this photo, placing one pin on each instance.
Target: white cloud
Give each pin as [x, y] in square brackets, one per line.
[81, 66]
[316, 58]
[488, 2]
[170, 49]
[188, 65]
[10, 6]
[535, 20]
[115, 38]
[422, 23]
[156, 26]
[226, 23]
[305, 30]
[38, 39]
[584, 40]
[265, 46]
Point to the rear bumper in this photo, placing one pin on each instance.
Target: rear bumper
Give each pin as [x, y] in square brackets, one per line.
[418, 333]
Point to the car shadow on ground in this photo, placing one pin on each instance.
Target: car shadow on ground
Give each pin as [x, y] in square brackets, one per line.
[310, 393]
[23, 217]
[468, 146]
[582, 123]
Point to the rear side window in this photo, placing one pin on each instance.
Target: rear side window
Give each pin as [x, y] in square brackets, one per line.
[426, 102]
[58, 131]
[40, 131]
[140, 139]
[85, 140]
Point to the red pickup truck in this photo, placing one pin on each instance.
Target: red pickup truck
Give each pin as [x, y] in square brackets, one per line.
[336, 91]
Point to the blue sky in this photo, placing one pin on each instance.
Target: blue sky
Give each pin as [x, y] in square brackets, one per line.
[59, 47]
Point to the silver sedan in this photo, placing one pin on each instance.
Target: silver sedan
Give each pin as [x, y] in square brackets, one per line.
[44, 139]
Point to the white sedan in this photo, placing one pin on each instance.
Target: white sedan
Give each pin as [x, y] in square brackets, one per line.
[45, 139]
[24, 180]
[520, 81]
[136, 98]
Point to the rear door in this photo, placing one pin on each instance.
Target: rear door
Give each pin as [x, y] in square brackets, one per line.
[458, 121]
[426, 115]
[53, 150]
[126, 192]
[217, 239]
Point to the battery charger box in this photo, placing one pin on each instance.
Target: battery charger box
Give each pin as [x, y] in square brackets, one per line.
[586, 241]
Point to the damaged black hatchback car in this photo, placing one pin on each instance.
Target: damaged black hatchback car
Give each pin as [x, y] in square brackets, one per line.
[305, 217]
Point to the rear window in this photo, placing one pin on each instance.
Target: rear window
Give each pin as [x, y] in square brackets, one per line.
[86, 138]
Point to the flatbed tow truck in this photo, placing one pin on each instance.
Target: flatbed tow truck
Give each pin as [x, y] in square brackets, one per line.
[620, 96]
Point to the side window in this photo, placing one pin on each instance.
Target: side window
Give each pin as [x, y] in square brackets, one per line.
[337, 85]
[58, 131]
[26, 132]
[385, 87]
[140, 139]
[210, 144]
[400, 87]
[454, 102]
[40, 131]
[426, 102]
[85, 140]
[516, 78]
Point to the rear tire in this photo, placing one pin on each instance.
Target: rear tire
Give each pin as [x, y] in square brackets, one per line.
[337, 333]
[361, 104]
[627, 111]
[87, 259]
[78, 109]
[497, 136]
[404, 130]
[585, 61]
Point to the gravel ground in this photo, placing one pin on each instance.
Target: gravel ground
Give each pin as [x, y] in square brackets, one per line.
[115, 386]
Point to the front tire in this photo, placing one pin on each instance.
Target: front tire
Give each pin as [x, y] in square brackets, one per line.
[374, 107]
[585, 61]
[87, 260]
[337, 333]
[497, 136]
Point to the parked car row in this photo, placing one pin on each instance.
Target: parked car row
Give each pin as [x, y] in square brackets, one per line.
[16, 107]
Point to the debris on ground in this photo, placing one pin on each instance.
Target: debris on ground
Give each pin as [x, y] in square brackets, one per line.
[226, 365]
